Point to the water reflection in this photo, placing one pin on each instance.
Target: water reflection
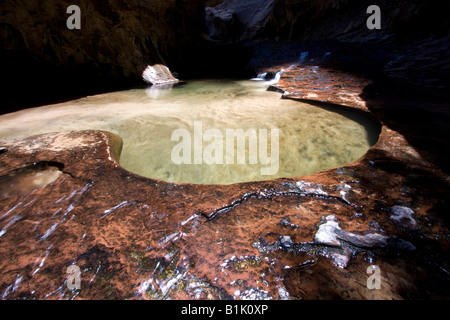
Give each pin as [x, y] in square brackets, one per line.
[159, 91]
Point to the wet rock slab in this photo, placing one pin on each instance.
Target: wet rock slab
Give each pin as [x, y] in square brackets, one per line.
[65, 200]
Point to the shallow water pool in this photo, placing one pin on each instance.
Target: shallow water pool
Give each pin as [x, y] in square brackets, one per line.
[209, 131]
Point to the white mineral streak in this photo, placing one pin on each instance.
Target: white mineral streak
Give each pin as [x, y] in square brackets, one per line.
[310, 188]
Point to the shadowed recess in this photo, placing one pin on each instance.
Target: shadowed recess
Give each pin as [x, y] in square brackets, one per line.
[25, 180]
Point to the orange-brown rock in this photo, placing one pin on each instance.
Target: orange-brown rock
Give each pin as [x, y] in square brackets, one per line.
[311, 237]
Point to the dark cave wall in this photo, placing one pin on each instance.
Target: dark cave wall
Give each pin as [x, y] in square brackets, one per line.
[41, 57]
[411, 49]
[42, 61]
[345, 20]
[123, 34]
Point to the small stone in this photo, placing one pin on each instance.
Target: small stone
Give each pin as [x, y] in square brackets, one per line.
[330, 233]
[286, 241]
[340, 260]
[403, 217]
[327, 233]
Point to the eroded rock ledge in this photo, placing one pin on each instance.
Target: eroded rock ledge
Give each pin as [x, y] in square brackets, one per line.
[312, 237]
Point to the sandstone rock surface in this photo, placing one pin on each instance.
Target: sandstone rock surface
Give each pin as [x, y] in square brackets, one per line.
[138, 238]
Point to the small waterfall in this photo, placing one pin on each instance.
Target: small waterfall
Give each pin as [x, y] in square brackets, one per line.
[269, 77]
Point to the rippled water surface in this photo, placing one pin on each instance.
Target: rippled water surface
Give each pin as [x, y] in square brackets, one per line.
[310, 138]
